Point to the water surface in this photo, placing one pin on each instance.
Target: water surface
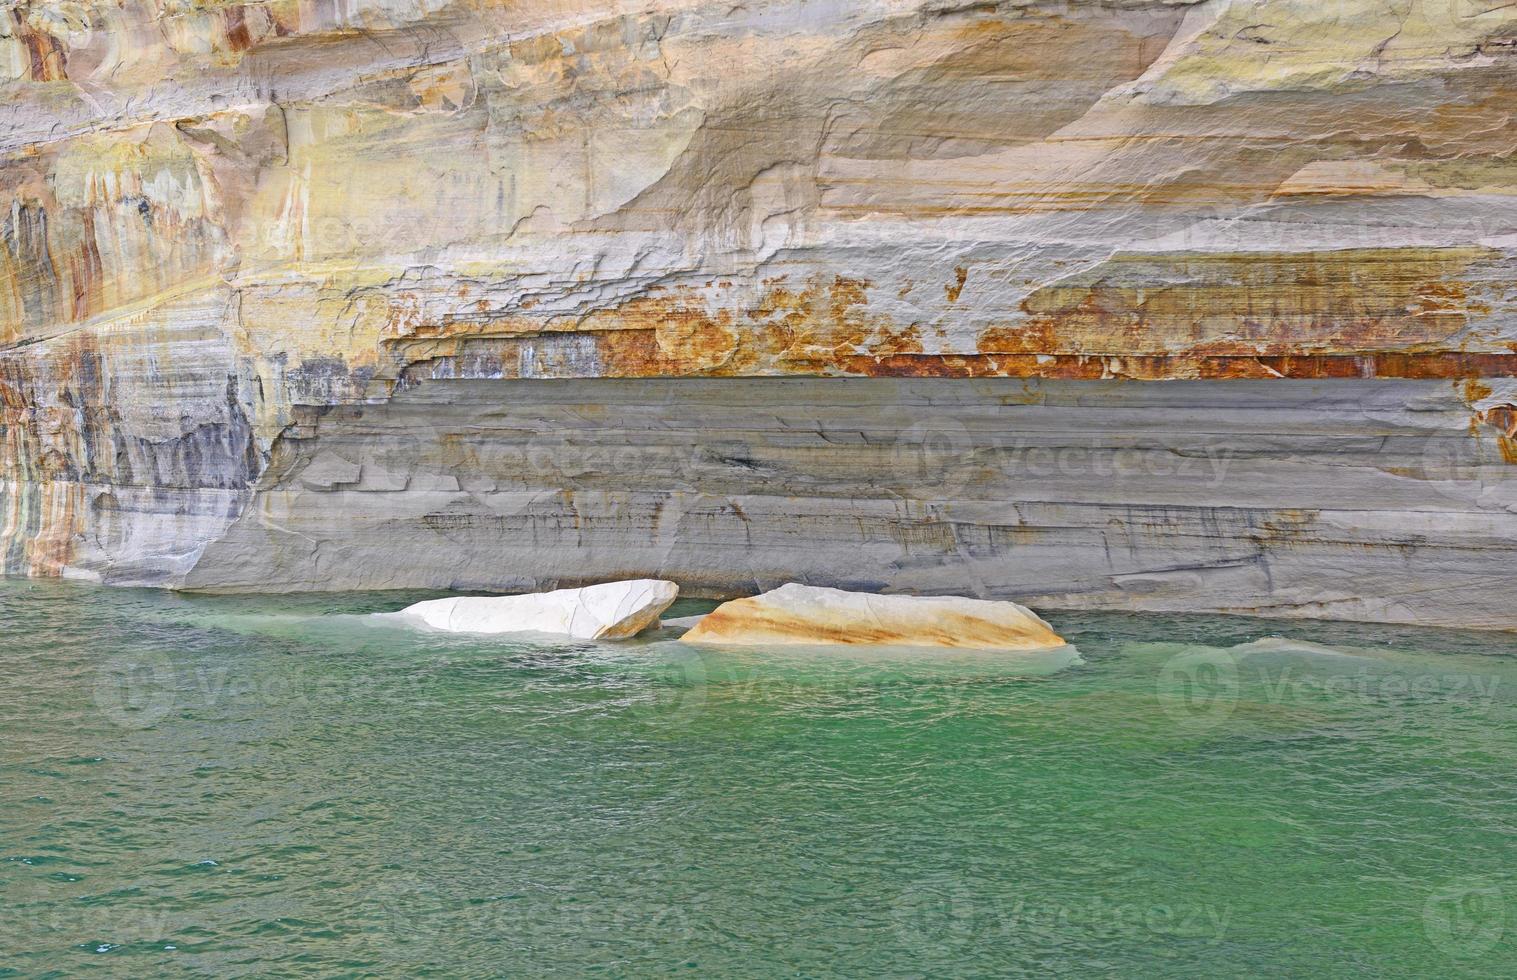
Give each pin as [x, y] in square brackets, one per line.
[286, 786]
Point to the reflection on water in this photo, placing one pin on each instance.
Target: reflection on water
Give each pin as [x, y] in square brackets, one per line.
[291, 786]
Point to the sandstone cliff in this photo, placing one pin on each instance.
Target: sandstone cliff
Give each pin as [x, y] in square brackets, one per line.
[1166, 304]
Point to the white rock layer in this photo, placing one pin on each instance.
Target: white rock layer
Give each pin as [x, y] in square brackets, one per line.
[613, 611]
[800, 614]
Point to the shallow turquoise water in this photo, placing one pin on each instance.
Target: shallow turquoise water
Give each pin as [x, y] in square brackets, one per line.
[282, 786]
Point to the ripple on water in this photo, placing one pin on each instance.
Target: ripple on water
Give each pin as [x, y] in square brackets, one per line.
[282, 786]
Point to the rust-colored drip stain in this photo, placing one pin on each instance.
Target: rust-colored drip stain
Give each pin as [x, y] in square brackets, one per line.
[237, 35]
[86, 272]
[53, 417]
[1038, 337]
[822, 319]
[681, 330]
[62, 508]
[64, 263]
[46, 59]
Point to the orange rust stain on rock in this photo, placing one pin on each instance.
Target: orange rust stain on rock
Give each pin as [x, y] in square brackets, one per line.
[1502, 418]
[46, 60]
[1433, 298]
[237, 36]
[955, 289]
[636, 353]
[54, 422]
[1169, 367]
[1249, 304]
[665, 330]
[1475, 390]
[684, 331]
[905, 341]
[1037, 337]
[1346, 314]
[822, 319]
[61, 506]
[86, 272]
[706, 341]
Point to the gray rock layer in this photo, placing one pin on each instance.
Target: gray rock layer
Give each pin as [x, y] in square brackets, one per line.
[1348, 498]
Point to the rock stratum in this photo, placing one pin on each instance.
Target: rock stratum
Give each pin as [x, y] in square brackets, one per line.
[1139, 304]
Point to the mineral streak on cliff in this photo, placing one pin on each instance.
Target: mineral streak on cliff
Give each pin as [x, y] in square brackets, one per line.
[227, 226]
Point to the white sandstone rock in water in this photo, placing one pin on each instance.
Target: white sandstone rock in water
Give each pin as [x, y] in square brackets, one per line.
[612, 611]
[801, 614]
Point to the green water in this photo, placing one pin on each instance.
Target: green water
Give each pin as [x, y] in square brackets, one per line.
[286, 787]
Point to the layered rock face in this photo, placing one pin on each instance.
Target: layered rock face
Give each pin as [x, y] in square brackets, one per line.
[1347, 499]
[309, 294]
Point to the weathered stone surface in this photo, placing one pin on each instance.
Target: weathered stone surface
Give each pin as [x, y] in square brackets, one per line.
[1350, 499]
[610, 611]
[810, 616]
[223, 222]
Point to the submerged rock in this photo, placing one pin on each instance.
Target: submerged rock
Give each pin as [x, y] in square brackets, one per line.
[612, 611]
[802, 614]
